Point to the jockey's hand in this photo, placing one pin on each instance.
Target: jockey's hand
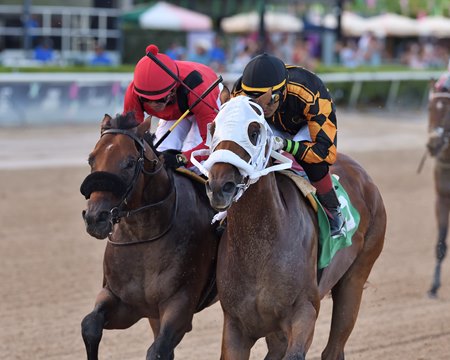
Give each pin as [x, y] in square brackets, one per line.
[278, 143]
[173, 159]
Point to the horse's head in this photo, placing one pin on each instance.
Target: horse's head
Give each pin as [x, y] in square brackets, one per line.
[240, 143]
[438, 121]
[116, 162]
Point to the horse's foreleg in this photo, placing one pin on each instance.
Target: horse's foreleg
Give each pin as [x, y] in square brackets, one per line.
[276, 345]
[175, 322]
[442, 211]
[235, 344]
[347, 295]
[108, 313]
[301, 329]
[92, 331]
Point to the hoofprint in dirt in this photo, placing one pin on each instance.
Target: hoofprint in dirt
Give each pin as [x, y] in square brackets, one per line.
[51, 269]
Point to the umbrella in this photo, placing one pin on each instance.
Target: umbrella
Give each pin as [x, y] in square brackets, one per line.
[438, 26]
[165, 16]
[273, 22]
[390, 24]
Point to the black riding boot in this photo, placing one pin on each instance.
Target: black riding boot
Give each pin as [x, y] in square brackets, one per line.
[330, 201]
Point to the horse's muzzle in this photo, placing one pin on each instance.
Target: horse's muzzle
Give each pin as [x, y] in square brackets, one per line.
[221, 196]
[98, 225]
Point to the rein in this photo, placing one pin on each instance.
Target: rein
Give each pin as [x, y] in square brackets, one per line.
[117, 213]
[158, 236]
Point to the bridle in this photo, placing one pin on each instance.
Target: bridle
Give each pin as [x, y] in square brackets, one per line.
[443, 128]
[117, 212]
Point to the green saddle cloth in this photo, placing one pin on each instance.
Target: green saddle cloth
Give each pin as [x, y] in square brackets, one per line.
[330, 245]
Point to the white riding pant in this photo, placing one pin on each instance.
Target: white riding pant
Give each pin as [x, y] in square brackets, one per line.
[302, 135]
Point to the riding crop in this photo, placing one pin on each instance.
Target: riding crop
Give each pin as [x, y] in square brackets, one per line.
[200, 98]
[422, 161]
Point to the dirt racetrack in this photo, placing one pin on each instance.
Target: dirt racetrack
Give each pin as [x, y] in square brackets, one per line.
[51, 270]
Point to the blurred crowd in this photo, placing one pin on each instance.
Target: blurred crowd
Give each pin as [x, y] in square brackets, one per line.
[367, 50]
[231, 54]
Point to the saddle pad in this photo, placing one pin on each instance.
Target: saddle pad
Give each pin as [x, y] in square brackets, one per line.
[328, 246]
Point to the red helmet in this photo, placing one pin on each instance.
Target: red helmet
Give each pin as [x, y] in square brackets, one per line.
[150, 80]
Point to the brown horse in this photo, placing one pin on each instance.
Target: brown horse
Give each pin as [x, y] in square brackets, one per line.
[160, 258]
[267, 274]
[438, 146]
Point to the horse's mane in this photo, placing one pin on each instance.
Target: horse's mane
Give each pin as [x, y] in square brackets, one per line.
[128, 121]
[123, 121]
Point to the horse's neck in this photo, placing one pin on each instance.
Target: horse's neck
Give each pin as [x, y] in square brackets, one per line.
[156, 187]
[260, 208]
[157, 201]
[444, 155]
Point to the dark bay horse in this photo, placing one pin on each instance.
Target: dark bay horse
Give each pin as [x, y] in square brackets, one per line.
[438, 146]
[267, 274]
[160, 259]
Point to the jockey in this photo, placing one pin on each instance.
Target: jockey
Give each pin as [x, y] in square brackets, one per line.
[443, 83]
[155, 92]
[302, 115]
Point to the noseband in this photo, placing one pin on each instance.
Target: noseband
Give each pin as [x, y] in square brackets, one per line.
[104, 181]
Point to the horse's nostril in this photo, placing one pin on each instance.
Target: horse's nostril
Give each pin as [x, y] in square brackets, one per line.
[103, 216]
[229, 187]
[83, 214]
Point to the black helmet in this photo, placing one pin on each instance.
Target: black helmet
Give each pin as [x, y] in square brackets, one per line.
[262, 73]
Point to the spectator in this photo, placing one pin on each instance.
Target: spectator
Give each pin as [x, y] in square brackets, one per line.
[301, 55]
[284, 49]
[241, 60]
[369, 50]
[200, 54]
[176, 51]
[217, 55]
[43, 52]
[413, 57]
[100, 58]
[348, 54]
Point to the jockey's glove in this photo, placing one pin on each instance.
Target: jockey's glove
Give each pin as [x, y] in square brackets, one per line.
[173, 159]
[278, 143]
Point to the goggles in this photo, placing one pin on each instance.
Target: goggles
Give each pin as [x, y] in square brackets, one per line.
[163, 100]
[276, 96]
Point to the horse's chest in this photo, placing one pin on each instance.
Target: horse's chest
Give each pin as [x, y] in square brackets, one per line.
[253, 295]
[142, 284]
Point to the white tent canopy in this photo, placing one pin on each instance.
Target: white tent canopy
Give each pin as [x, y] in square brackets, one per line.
[165, 16]
[273, 22]
[438, 26]
[352, 24]
[390, 24]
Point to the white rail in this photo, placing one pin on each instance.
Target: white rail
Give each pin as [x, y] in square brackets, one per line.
[85, 97]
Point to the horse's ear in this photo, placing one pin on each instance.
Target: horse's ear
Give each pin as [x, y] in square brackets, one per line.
[264, 99]
[144, 126]
[225, 95]
[106, 123]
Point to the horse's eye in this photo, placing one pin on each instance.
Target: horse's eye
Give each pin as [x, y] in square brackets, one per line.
[254, 136]
[131, 163]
